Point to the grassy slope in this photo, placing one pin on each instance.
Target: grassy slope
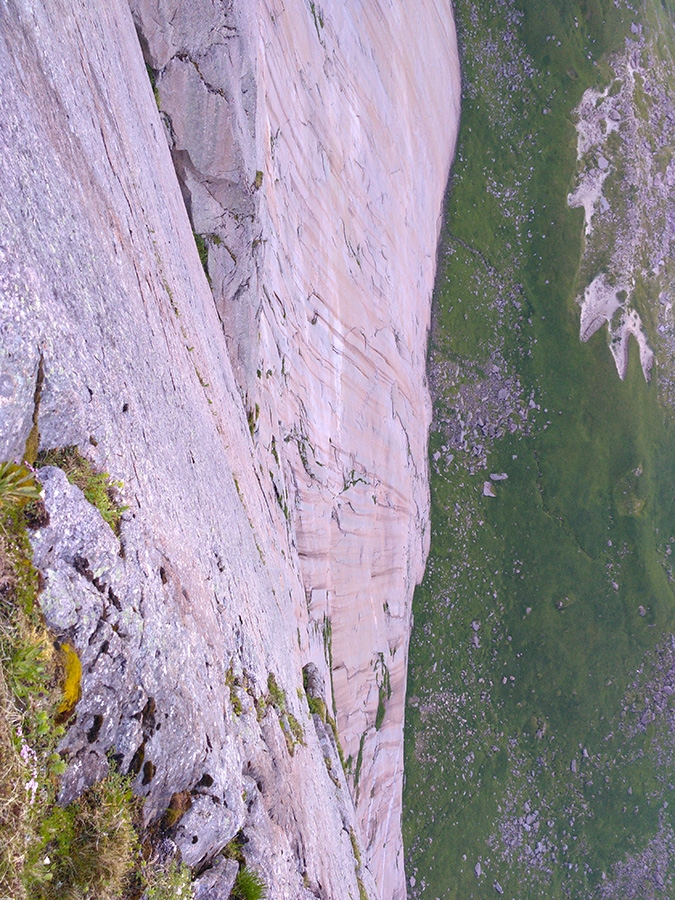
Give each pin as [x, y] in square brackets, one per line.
[471, 749]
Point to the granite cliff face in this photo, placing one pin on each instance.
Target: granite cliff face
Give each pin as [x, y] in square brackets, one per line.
[310, 149]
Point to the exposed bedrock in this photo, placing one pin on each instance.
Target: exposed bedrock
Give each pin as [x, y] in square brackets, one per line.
[322, 275]
[312, 148]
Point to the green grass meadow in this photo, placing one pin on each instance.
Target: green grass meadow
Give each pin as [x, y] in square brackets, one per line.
[540, 605]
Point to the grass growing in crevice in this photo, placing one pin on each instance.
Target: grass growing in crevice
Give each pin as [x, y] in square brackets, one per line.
[276, 698]
[152, 76]
[90, 849]
[234, 685]
[29, 695]
[383, 688]
[204, 242]
[249, 885]
[203, 251]
[97, 487]
[317, 706]
[359, 763]
[171, 883]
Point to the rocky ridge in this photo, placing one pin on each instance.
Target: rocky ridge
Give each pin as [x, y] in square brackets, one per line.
[321, 274]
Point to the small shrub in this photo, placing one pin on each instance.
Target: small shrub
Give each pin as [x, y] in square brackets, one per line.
[97, 487]
[248, 886]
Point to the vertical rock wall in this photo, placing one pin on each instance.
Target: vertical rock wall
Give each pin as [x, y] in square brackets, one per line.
[181, 619]
[313, 144]
[358, 107]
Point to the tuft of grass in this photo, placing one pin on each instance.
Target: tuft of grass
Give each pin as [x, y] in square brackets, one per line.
[203, 250]
[277, 696]
[172, 883]
[17, 486]
[384, 690]
[152, 75]
[89, 849]
[292, 729]
[317, 707]
[248, 886]
[97, 487]
[355, 847]
[233, 684]
[234, 848]
[29, 693]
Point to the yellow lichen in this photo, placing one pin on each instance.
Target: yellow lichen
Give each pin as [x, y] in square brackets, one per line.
[72, 681]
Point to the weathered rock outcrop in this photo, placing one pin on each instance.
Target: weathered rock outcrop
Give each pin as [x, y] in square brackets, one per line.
[311, 149]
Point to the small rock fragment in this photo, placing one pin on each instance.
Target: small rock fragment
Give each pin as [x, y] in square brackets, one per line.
[217, 883]
[478, 870]
[488, 489]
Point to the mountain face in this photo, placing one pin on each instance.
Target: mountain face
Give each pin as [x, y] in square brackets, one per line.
[268, 425]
